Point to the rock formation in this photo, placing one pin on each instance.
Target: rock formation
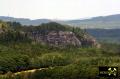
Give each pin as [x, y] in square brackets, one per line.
[63, 39]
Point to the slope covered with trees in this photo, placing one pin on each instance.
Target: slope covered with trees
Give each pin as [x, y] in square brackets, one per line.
[105, 35]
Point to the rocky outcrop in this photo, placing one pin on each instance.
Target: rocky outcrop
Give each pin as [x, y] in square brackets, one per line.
[89, 40]
[63, 39]
[52, 34]
[54, 38]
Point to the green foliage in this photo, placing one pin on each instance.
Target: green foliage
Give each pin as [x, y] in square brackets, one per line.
[13, 36]
[13, 63]
[52, 59]
[18, 53]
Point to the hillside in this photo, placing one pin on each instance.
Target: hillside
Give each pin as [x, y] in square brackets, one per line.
[25, 21]
[52, 34]
[105, 35]
[109, 22]
[103, 22]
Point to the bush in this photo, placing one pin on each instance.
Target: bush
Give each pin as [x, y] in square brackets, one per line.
[13, 63]
[51, 59]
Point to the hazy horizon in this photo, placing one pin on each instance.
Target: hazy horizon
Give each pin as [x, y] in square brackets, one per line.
[59, 19]
[59, 9]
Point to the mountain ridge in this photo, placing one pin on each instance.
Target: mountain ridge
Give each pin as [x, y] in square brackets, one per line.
[106, 22]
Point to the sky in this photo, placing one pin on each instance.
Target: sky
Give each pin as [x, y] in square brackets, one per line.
[58, 9]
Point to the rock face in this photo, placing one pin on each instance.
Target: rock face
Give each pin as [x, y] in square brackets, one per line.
[60, 38]
[63, 39]
[89, 41]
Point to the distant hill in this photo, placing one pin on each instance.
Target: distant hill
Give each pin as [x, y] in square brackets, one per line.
[24, 21]
[106, 35]
[106, 22]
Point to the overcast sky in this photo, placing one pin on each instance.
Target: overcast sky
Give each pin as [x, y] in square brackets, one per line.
[58, 9]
